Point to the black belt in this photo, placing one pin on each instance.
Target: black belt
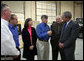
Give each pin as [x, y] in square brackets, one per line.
[43, 40]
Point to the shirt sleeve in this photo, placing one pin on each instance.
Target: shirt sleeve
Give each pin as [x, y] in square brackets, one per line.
[39, 32]
[8, 46]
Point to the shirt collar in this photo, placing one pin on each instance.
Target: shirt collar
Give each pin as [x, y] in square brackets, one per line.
[68, 22]
[5, 21]
[44, 24]
[11, 26]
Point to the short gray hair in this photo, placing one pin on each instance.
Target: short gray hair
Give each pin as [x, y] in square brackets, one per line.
[67, 14]
[3, 6]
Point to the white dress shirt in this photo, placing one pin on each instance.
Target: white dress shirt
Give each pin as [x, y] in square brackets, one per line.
[68, 22]
[8, 46]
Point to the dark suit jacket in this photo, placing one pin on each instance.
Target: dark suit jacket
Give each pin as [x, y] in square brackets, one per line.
[56, 32]
[27, 42]
[68, 38]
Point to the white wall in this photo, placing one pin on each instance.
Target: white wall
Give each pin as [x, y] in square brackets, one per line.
[30, 9]
[78, 10]
[67, 6]
[15, 6]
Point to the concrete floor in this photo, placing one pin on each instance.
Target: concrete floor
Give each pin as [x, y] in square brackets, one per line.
[78, 51]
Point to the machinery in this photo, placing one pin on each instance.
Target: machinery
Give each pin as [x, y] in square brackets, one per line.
[80, 22]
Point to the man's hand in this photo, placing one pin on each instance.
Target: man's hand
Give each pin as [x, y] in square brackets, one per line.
[49, 33]
[61, 45]
[31, 47]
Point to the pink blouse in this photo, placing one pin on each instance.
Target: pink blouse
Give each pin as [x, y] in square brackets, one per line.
[29, 30]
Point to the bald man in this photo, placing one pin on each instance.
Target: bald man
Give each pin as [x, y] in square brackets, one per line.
[56, 28]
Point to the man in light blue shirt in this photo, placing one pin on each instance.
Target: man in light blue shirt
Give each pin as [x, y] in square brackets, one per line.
[43, 34]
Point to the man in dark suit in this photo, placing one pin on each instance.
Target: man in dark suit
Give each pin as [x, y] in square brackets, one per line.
[56, 28]
[68, 37]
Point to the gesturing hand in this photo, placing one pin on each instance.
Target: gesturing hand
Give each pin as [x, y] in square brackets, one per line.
[49, 33]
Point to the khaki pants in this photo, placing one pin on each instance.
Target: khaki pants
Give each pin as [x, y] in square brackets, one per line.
[43, 50]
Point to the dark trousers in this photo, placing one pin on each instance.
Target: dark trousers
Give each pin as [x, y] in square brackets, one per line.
[55, 51]
[66, 55]
[19, 55]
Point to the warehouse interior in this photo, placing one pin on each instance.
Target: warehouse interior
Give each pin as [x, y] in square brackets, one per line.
[34, 10]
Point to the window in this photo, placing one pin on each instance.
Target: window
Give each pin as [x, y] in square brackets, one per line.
[46, 8]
